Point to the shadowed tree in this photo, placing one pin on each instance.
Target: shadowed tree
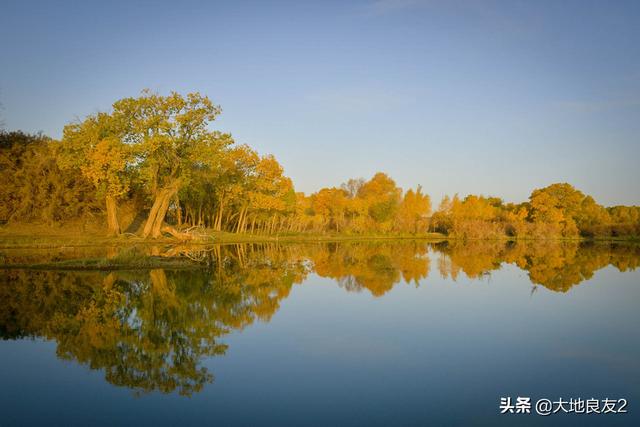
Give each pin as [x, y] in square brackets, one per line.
[35, 187]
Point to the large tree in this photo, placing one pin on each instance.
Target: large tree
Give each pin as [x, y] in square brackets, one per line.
[170, 138]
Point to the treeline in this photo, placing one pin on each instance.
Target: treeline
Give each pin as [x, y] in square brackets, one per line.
[155, 157]
[153, 165]
[558, 210]
[34, 186]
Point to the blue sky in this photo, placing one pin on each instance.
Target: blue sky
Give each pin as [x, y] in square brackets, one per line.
[489, 97]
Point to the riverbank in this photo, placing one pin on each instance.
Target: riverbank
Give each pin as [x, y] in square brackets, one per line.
[46, 237]
[56, 237]
[58, 250]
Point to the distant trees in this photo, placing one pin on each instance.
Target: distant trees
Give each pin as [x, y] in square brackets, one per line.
[359, 206]
[624, 220]
[558, 210]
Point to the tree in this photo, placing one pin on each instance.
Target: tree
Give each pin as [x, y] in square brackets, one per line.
[383, 197]
[413, 211]
[95, 146]
[557, 206]
[592, 219]
[273, 195]
[169, 136]
[331, 204]
[352, 187]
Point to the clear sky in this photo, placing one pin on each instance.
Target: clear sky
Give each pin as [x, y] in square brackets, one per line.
[489, 97]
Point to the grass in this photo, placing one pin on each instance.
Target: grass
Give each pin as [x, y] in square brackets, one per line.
[225, 237]
[42, 237]
[48, 238]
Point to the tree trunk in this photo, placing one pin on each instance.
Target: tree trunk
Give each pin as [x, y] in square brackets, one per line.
[159, 210]
[243, 227]
[162, 212]
[175, 233]
[218, 224]
[112, 216]
[178, 212]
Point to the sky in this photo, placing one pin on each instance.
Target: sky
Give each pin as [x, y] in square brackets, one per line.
[459, 96]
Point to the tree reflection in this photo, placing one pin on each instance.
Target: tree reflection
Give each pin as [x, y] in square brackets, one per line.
[150, 330]
[558, 266]
[375, 267]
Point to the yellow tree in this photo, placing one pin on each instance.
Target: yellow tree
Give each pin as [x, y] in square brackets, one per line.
[96, 147]
[592, 219]
[516, 219]
[475, 217]
[544, 209]
[272, 195]
[413, 211]
[382, 196]
[331, 204]
[238, 182]
[441, 218]
[557, 206]
[170, 136]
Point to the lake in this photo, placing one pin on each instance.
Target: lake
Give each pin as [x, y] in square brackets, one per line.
[378, 333]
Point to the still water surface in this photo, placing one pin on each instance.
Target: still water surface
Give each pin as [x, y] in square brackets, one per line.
[405, 333]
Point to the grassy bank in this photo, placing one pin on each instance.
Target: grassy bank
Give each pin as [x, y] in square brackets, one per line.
[43, 237]
[55, 237]
[60, 249]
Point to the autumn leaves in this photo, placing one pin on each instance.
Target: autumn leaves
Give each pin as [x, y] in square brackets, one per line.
[158, 156]
[161, 147]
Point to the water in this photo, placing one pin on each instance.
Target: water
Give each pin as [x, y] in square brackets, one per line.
[403, 333]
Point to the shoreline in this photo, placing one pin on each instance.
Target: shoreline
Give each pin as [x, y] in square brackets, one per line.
[136, 253]
[12, 240]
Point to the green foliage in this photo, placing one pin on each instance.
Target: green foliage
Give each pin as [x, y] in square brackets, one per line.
[169, 135]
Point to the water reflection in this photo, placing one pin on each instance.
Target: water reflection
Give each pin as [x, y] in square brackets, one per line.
[150, 330]
[556, 266]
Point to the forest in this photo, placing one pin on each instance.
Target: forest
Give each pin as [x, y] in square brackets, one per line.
[152, 167]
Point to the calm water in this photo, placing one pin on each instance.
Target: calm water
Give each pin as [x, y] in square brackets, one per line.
[334, 334]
